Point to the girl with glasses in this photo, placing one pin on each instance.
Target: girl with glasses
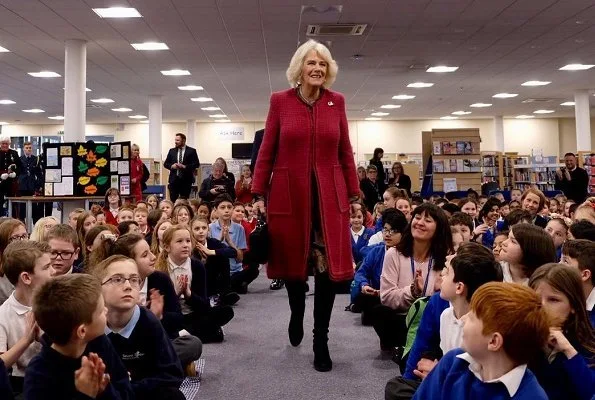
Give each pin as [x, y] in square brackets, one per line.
[10, 230]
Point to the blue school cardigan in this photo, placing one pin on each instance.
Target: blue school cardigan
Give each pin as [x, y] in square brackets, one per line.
[452, 379]
[370, 270]
[362, 241]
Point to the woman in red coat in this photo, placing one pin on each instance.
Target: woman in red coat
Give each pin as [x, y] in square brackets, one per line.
[306, 171]
[136, 174]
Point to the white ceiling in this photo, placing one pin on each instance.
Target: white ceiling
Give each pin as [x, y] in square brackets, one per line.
[238, 51]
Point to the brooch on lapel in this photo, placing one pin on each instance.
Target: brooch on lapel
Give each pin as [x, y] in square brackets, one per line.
[330, 103]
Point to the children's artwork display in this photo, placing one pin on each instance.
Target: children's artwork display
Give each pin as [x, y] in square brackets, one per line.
[86, 168]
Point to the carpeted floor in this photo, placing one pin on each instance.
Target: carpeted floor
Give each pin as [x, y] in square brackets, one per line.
[257, 362]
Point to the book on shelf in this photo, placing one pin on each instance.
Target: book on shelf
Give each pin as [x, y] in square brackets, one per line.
[453, 148]
[474, 148]
[438, 166]
[461, 165]
[453, 165]
[446, 148]
[460, 147]
[475, 165]
[437, 148]
[468, 148]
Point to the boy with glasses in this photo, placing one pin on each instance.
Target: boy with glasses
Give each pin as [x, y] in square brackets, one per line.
[63, 242]
[136, 334]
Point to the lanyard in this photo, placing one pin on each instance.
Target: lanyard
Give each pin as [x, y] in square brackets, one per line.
[427, 276]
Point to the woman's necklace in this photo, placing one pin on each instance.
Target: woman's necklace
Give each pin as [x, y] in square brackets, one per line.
[307, 100]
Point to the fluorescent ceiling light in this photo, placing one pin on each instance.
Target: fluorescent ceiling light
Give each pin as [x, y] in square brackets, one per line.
[373, 119]
[102, 100]
[201, 99]
[420, 85]
[210, 108]
[379, 114]
[568, 103]
[138, 116]
[390, 106]
[505, 95]
[58, 117]
[4, 50]
[176, 72]
[122, 109]
[223, 120]
[442, 68]
[4, 123]
[6, 101]
[449, 117]
[543, 112]
[145, 121]
[117, 12]
[86, 89]
[190, 87]
[218, 116]
[480, 105]
[34, 110]
[403, 97]
[45, 74]
[149, 46]
[536, 83]
[576, 67]
[461, 113]
[524, 116]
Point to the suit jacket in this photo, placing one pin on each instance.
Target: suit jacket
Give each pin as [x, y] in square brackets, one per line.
[31, 177]
[190, 160]
[258, 135]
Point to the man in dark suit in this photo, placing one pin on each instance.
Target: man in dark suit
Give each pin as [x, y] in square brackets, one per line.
[572, 179]
[181, 161]
[10, 168]
[258, 135]
[30, 179]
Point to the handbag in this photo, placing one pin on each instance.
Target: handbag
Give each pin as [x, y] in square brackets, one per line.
[259, 241]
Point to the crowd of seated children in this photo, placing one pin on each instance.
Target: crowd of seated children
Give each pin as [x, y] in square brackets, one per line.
[181, 215]
[167, 207]
[97, 245]
[488, 217]
[140, 217]
[558, 231]
[112, 203]
[125, 213]
[360, 235]
[505, 329]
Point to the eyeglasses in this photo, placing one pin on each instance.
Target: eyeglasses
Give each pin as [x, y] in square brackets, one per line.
[65, 255]
[14, 238]
[390, 231]
[119, 280]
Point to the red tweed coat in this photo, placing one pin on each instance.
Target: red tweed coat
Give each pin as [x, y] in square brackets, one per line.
[297, 142]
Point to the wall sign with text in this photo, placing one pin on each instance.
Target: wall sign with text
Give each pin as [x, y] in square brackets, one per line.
[231, 133]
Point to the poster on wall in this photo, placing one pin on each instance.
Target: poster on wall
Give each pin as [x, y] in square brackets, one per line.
[84, 168]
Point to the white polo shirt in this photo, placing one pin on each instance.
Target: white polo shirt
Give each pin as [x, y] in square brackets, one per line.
[451, 330]
[13, 325]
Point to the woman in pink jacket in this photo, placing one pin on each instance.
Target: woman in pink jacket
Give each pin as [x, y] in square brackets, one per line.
[411, 270]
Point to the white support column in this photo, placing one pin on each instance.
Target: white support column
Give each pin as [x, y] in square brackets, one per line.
[155, 122]
[75, 110]
[191, 132]
[582, 115]
[499, 132]
[75, 71]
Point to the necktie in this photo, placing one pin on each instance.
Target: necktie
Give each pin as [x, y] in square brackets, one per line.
[179, 172]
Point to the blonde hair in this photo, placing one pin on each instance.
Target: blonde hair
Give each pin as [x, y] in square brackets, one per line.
[168, 235]
[38, 234]
[294, 71]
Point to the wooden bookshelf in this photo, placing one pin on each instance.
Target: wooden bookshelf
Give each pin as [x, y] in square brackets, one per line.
[586, 160]
[530, 173]
[154, 167]
[491, 167]
[456, 154]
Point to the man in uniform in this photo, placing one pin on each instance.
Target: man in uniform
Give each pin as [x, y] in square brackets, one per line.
[10, 168]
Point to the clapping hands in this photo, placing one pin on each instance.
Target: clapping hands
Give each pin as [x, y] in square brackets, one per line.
[91, 379]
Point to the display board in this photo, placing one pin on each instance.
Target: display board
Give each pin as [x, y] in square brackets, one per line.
[86, 168]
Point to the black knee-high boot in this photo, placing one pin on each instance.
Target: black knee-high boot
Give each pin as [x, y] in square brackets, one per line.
[297, 304]
[324, 297]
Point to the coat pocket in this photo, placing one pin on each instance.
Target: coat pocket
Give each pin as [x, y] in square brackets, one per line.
[340, 188]
[280, 196]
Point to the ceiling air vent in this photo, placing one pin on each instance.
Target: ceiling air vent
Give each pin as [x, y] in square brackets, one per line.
[538, 100]
[336, 30]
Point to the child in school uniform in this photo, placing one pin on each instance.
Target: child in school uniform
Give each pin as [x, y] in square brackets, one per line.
[527, 248]
[76, 359]
[580, 254]
[360, 235]
[215, 257]
[140, 216]
[505, 329]
[27, 265]
[566, 368]
[189, 278]
[136, 334]
[65, 249]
